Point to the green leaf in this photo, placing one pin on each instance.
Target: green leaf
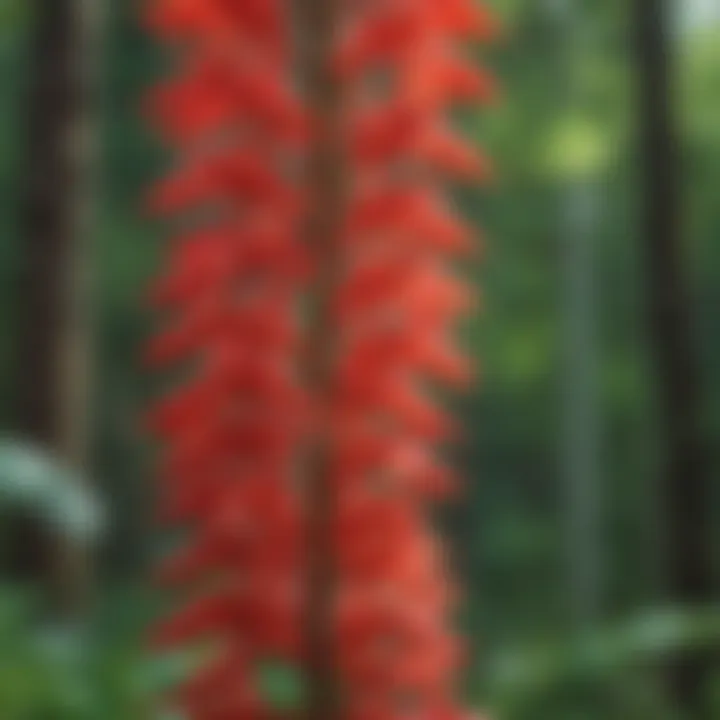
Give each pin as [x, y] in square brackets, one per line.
[32, 479]
[528, 674]
[281, 685]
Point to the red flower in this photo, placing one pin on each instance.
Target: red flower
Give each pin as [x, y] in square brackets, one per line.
[243, 287]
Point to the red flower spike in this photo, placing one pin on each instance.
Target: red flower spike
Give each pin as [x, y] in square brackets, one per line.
[467, 18]
[240, 289]
[445, 151]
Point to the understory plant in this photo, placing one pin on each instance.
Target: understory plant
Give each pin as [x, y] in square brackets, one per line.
[310, 301]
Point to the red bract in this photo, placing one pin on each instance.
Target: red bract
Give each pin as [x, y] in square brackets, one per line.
[315, 348]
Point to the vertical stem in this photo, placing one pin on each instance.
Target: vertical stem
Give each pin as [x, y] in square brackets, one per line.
[685, 481]
[326, 199]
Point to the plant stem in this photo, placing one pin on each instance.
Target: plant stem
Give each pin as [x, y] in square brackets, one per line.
[326, 200]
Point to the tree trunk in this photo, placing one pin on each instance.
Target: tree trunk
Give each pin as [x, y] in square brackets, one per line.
[581, 422]
[581, 426]
[53, 339]
[685, 482]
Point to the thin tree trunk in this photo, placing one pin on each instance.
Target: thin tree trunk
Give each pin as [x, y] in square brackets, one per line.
[76, 373]
[581, 429]
[581, 436]
[54, 333]
[685, 481]
[318, 22]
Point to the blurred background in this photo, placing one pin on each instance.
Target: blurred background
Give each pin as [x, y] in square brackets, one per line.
[587, 535]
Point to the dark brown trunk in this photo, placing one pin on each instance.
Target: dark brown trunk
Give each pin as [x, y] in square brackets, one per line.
[53, 341]
[318, 21]
[685, 482]
[48, 223]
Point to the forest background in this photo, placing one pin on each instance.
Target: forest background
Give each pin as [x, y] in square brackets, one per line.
[586, 537]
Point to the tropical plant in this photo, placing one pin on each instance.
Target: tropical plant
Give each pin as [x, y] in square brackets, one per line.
[312, 297]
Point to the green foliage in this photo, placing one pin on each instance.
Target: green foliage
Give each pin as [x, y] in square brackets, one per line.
[34, 482]
[102, 669]
[600, 662]
[13, 13]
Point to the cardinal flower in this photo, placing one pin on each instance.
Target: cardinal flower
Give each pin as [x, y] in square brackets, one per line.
[310, 300]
